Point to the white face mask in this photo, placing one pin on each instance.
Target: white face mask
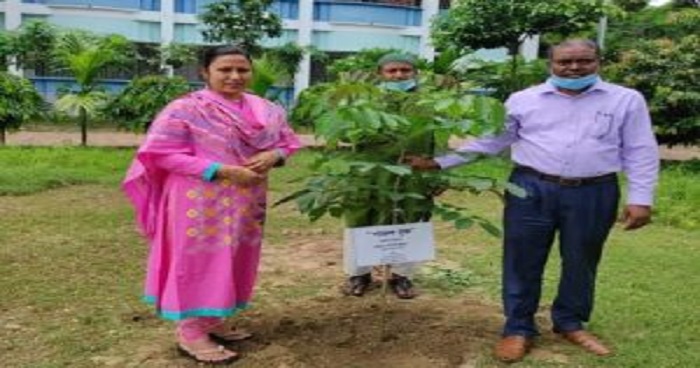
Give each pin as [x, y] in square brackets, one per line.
[573, 84]
[403, 86]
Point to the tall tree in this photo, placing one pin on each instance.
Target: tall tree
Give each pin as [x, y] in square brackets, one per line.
[240, 22]
[33, 39]
[85, 56]
[476, 24]
[27, 45]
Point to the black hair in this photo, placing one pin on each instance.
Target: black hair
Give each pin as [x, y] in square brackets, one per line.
[211, 53]
[575, 42]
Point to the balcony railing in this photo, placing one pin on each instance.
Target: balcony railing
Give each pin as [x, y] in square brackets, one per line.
[287, 9]
[153, 5]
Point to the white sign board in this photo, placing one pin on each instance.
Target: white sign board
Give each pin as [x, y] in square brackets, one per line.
[389, 244]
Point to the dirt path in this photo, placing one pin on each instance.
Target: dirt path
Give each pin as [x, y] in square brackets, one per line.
[122, 139]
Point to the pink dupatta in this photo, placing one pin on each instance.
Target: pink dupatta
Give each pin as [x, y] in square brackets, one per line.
[172, 133]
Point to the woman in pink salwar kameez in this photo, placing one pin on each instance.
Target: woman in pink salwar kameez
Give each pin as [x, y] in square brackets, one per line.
[198, 185]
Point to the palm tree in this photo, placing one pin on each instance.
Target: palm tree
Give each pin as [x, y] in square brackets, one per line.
[85, 56]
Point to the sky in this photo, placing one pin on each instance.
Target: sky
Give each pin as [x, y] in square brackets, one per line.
[658, 2]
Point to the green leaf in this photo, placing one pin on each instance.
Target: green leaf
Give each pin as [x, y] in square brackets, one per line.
[450, 216]
[291, 197]
[463, 223]
[490, 228]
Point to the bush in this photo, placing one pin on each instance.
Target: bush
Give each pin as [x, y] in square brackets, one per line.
[497, 78]
[667, 72]
[136, 106]
[19, 101]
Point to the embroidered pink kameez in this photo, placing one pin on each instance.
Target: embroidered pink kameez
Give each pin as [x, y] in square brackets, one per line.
[204, 236]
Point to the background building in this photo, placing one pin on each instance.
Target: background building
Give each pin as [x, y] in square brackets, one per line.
[329, 25]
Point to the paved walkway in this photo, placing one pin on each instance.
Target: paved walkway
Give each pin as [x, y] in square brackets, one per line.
[122, 139]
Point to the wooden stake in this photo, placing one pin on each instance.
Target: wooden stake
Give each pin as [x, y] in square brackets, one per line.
[386, 275]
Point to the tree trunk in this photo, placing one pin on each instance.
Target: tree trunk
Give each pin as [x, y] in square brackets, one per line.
[2, 135]
[83, 127]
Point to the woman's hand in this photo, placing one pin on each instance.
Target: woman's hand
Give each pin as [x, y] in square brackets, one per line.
[239, 175]
[262, 162]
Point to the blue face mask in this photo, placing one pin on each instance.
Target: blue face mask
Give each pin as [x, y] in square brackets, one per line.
[404, 85]
[573, 84]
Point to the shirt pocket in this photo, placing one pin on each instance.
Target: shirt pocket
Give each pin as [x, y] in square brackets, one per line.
[603, 127]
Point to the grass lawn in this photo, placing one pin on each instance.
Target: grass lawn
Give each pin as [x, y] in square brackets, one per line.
[72, 265]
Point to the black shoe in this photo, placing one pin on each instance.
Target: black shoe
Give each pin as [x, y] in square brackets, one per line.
[402, 286]
[357, 285]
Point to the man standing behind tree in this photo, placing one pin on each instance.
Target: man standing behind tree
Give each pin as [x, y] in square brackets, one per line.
[397, 72]
[569, 138]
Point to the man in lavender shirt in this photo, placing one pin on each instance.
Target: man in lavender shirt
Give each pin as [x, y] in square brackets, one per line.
[568, 137]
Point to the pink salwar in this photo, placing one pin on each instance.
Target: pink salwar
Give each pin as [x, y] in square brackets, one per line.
[204, 236]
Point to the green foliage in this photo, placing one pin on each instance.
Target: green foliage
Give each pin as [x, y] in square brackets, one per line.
[26, 46]
[668, 74]
[137, 104]
[241, 22]
[19, 102]
[444, 60]
[497, 78]
[367, 131]
[33, 40]
[364, 61]
[268, 72]
[288, 56]
[75, 104]
[476, 24]
[667, 21]
[178, 55]
[86, 54]
[631, 5]
[7, 48]
[655, 51]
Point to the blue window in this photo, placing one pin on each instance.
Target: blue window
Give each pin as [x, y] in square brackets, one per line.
[367, 13]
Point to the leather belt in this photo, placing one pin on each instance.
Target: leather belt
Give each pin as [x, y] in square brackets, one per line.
[567, 182]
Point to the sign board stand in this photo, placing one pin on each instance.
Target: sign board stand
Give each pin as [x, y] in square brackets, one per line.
[384, 246]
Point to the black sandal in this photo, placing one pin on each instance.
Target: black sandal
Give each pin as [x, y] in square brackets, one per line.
[358, 285]
[402, 286]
